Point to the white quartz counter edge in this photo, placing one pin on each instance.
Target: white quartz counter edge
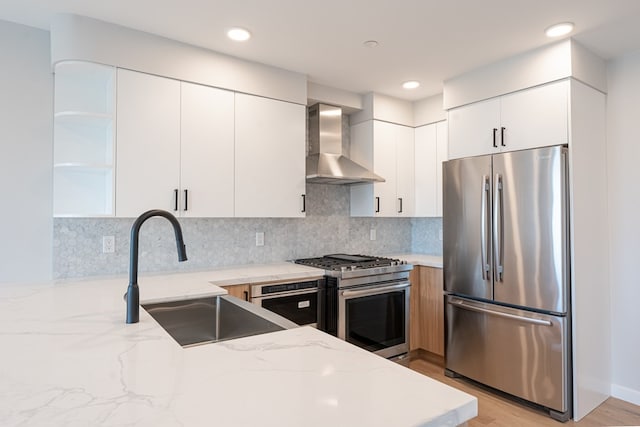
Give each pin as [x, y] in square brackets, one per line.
[420, 259]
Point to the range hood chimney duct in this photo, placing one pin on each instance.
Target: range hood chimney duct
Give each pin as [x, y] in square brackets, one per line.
[325, 163]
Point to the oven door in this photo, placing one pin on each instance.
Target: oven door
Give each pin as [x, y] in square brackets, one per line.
[300, 307]
[376, 317]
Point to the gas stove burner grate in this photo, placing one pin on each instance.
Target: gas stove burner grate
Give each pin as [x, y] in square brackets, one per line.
[337, 262]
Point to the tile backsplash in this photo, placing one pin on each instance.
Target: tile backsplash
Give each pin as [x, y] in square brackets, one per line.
[215, 242]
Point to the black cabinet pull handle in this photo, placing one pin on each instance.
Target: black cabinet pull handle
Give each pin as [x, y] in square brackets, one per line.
[304, 203]
[377, 204]
[186, 199]
[502, 136]
[246, 295]
[175, 199]
[495, 144]
[400, 199]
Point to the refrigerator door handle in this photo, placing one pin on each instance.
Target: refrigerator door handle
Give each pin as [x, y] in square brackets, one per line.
[497, 227]
[484, 228]
[466, 306]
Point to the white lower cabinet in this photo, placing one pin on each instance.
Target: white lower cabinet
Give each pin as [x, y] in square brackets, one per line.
[388, 149]
[269, 157]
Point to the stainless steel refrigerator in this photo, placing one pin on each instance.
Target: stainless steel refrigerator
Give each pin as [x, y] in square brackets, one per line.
[506, 274]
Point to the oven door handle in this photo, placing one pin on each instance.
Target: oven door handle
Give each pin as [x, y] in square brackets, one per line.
[286, 294]
[376, 290]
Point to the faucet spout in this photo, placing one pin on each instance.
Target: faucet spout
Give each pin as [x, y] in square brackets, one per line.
[133, 292]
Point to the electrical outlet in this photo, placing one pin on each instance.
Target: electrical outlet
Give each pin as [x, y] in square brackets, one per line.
[440, 235]
[260, 238]
[108, 244]
[372, 234]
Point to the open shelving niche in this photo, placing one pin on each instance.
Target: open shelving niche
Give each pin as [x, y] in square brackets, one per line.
[84, 147]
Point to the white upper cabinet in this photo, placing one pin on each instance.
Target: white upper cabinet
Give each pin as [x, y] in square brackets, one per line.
[442, 155]
[536, 117]
[206, 152]
[426, 174]
[385, 165]
[389, 149]
[269, 157]
[83, 149]
[474, 129]
[430, 152]
[530, 118]
[148, 143]
[405, 170]
[175, 147]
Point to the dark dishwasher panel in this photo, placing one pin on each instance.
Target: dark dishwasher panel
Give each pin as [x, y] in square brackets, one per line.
[300, 308]
[300, 302]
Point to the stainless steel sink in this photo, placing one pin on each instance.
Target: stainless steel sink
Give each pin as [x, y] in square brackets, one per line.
[213, 319]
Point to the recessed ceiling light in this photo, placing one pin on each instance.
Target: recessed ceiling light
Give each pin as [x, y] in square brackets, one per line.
[411, 84]
[238, 34]
[371, 43]
[558, 30]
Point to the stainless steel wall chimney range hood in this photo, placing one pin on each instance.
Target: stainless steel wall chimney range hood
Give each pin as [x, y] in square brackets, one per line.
[325, 163]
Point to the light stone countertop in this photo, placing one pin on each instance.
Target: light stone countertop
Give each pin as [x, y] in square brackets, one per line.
[420, 259]
[69, 359]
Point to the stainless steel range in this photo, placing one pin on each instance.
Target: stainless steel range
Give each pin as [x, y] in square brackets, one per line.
[366, 301]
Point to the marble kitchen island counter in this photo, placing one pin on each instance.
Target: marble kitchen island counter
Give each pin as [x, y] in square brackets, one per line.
[68, 359]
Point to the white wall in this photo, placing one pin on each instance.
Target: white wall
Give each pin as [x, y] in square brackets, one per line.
[623, 155]
[26, 99]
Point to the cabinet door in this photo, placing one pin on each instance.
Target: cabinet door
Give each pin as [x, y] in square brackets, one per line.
[427, 310]
[147, 143]
[405, 170]
[206, 147]
[536, 117]
[270, 157]
[426, 170]
[471, 129]
[363, 202]
[385, 136]
[442, 155]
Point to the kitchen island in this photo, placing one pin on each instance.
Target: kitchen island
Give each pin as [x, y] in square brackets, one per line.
[69, 359]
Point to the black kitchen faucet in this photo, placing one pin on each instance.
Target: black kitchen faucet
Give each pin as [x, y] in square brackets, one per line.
[133, 293]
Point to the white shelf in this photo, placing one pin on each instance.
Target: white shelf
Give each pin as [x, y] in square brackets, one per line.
[83, 191]
[84, 86]
[87, 166]
[84, 140]
[83, 115]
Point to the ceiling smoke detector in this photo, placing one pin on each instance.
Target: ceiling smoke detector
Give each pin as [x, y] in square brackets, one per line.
[371, 44]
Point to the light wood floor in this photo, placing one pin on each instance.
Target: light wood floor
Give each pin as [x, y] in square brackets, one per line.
[497, 411]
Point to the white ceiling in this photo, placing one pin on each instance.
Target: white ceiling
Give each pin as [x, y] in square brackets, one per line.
[425, 40]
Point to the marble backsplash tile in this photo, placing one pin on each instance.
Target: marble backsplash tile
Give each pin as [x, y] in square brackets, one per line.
[215, 242]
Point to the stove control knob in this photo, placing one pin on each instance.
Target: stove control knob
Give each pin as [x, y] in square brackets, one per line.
[403, 262]
[353, 267]
[343, 268]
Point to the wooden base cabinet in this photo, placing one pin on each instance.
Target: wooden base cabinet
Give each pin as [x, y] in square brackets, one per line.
[426, 310]
[239, 291]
